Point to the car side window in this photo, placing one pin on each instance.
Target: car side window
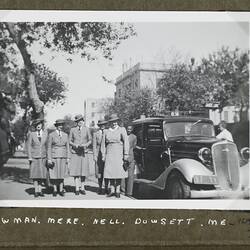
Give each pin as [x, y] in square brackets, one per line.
[154, 134]
[138, 131]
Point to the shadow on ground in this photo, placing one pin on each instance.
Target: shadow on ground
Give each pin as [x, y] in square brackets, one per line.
[146, 192]
[15, 174]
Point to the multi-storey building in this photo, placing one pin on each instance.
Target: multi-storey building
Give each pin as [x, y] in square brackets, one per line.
[139, 76]
[94, 110]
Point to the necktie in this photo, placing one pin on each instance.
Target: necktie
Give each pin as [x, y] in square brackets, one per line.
[60, 133]
[39, 136]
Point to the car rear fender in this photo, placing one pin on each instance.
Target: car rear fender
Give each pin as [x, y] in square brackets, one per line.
[187, 167]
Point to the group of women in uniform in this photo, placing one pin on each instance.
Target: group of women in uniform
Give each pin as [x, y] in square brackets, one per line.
[61, 155]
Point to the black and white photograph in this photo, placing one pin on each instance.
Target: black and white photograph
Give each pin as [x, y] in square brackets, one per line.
[103, 109]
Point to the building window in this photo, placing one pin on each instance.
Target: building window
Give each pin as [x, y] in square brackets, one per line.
[226, 116]
[93, 104]
[93, 114]
[136, 83]
[236, 116]
[158, 80]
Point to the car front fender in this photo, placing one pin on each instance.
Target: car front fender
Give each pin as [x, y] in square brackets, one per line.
[188, 168]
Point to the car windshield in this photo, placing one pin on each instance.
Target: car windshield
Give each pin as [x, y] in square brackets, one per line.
[198, 128]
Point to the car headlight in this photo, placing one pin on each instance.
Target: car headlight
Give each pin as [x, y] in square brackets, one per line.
[245, 153]
[205, 155]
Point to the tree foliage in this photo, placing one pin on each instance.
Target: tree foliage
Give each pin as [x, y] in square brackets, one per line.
[133, 104]
[86, 39]
[183, 88]
[221, 79]
[230, 71]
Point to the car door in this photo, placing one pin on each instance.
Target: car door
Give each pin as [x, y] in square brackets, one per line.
[154, 146]
[139, 150]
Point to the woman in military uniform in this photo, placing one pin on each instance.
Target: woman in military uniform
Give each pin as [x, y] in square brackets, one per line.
[115, 149]
[37, 154]
[58, 157]
[99, 163]
[79, 140]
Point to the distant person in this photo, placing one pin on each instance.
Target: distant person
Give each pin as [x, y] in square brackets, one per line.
[79, 140]
[132, 144]
[58, 157]
[114, 148]
[99, 163]
[37, 154]
[224, 134]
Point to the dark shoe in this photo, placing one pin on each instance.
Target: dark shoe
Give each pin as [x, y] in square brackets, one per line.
[61, 193]
[36, 194]
[77, 192]
[54, 194]
[82, 192]
[41, 194]
[110, 194]
[99, 191]
[117, 195]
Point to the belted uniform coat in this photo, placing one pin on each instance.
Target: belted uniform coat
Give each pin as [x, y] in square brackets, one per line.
[58, 152]
[79, 140]
[37, 153]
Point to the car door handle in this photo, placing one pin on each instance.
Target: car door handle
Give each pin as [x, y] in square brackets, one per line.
[140, 148]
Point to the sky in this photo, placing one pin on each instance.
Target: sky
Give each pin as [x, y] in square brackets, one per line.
[154, 43]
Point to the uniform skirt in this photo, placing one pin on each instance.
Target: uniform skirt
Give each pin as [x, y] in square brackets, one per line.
[79, 165]
[38, 168]
[59, 170]
[113, 168]
[100, 164]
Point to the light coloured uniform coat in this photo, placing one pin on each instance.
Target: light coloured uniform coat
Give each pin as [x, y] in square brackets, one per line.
[58, 152]
[79, 164]
[37, 152]
[97, 140]
[114, 148]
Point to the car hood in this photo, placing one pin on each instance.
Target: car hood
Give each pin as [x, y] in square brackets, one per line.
[193, 140]
[188, 147]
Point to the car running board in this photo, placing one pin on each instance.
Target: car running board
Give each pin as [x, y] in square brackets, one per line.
[145, 181]
[149, 182]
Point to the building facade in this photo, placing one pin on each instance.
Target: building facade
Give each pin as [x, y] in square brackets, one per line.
[94, 110]
[139, 76]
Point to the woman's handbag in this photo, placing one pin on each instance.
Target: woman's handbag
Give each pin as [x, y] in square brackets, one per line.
[125, 165]
[50, 164]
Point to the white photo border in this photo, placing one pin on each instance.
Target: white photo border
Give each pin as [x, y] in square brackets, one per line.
[127, 16]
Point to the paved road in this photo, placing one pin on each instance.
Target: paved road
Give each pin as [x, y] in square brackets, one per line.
[16, 185]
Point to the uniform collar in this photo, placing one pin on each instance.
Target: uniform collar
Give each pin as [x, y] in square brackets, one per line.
[113, 129]
[40, 131]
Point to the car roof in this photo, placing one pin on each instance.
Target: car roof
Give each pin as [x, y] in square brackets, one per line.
[171, 119]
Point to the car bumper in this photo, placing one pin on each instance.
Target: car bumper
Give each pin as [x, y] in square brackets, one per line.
[238, 194]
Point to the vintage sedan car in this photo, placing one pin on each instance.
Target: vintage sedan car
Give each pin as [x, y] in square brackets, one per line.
[182, 157]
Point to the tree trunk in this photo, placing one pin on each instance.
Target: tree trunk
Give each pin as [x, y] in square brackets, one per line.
[37, 104]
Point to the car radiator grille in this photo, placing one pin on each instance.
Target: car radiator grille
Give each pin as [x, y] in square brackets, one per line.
[226, 165]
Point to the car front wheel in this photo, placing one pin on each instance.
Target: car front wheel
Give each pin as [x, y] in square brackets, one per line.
[177, 187]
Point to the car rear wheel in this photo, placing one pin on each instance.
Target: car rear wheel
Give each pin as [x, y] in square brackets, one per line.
[177, 187]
